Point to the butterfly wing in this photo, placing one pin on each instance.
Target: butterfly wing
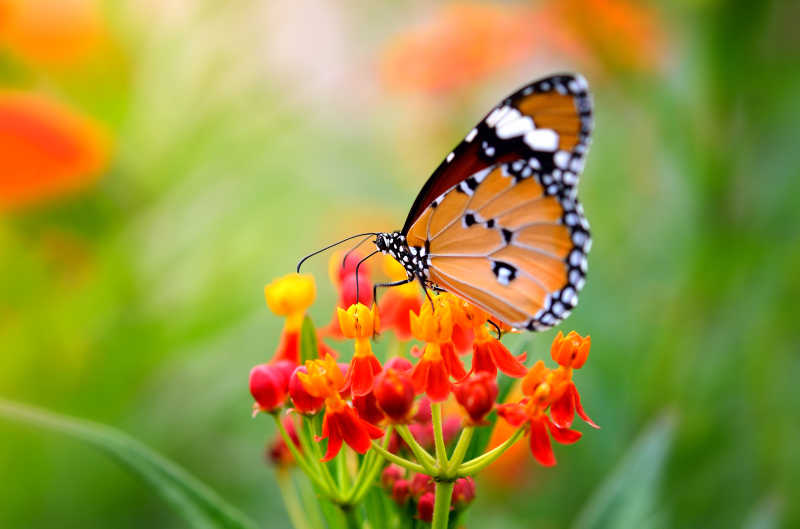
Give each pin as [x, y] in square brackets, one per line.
[508, 243]
[546, 123]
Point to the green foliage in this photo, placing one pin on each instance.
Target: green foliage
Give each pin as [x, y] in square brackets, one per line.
[197, 504]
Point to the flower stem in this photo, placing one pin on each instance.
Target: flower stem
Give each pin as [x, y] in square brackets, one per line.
[422, 455]
[438, 435]
[368, 471]
[310, 471]
[479, 463]
[397, 460]
[291, 500]
[311, 447]
[441, 505]
[460, 450]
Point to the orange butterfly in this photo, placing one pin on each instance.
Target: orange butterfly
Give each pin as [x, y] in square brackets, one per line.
[499, 223]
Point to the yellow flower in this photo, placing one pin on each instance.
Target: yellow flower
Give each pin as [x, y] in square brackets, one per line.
[433, 324]
[358, 321]
[290, 296]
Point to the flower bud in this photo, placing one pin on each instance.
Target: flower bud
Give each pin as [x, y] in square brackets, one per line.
[367, 408]
[268, 385]
[399, 363]
[423, 413]
[420, 484]
[391, 474]
[425, 507]
[477, 396]
[303, 401]
[395, 393]
[401, 491]
[290, 294]
[572, 350]
[463, 492]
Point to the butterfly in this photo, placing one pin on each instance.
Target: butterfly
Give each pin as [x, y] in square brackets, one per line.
[499, 223]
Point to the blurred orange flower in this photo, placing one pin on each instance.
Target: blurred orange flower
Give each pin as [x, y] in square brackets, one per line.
[513, 466]
[460, 44]
[53, 32]
[621, 33]
[46, 149]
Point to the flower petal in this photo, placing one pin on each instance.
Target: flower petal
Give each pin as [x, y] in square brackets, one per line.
[564, 436]
[505, 361]
[438, 386]
[563, 409]
[513, 413]
[452, 362]
[540, 444]
[581, 413]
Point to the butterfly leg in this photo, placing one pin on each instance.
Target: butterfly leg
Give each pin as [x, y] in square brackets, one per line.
[425, 289]
[387, 285]
[496, 327]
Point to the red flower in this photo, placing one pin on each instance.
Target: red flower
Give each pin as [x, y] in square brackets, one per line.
[421, 484]
[342, 423]
[396, 306]
[343, 276]
[489, 355]
[563, 409]
[463, 492]
[304, 402]
[368, 409]
[46, 149]
[401, 491]
[391, 474]
[425, 507]
[394, 390]
[269, 384]
[477, 396]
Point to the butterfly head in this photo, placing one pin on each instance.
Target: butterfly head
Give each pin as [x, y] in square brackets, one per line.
[413, 258]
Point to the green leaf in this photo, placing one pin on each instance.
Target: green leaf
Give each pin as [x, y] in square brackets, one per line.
[194, 501]
[308, 341]
[628, 497]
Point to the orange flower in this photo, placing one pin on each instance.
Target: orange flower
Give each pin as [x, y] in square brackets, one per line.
[545, 389]
[623, 33]
[52, 32]
[460, 44]
[360, 323]
[342, 423]
[488, 353]
[45, 149]
[439, 361]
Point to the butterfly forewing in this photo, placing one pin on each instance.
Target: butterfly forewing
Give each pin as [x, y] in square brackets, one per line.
[504, 241]
[545, 125]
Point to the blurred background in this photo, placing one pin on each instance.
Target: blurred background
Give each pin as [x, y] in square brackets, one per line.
[162, 160]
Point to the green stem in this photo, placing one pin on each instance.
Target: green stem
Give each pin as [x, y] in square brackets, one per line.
[310, 434]
[441, 504]
[369, 468]
[342, 474]
[422, 455]
[461, 449]
[479, 463]
[291, 500]
[350, 517]
[312, 473]
[397, 460]
[438, 435]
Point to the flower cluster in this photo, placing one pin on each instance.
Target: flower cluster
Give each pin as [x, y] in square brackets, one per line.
[411, 417]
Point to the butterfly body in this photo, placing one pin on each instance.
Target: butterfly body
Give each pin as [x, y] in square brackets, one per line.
[499, 222]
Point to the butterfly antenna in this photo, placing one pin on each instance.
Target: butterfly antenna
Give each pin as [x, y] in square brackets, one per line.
[359, 266]
[354, 248]
[304, 259]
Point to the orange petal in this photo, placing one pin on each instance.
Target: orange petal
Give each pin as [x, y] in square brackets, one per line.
[541, 448]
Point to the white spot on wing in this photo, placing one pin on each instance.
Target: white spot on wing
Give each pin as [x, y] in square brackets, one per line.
[542, 140]
[450, 157]
[471, 135]
[561, 158]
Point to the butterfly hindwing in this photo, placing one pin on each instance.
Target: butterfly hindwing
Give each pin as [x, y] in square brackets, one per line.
[544, 126]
